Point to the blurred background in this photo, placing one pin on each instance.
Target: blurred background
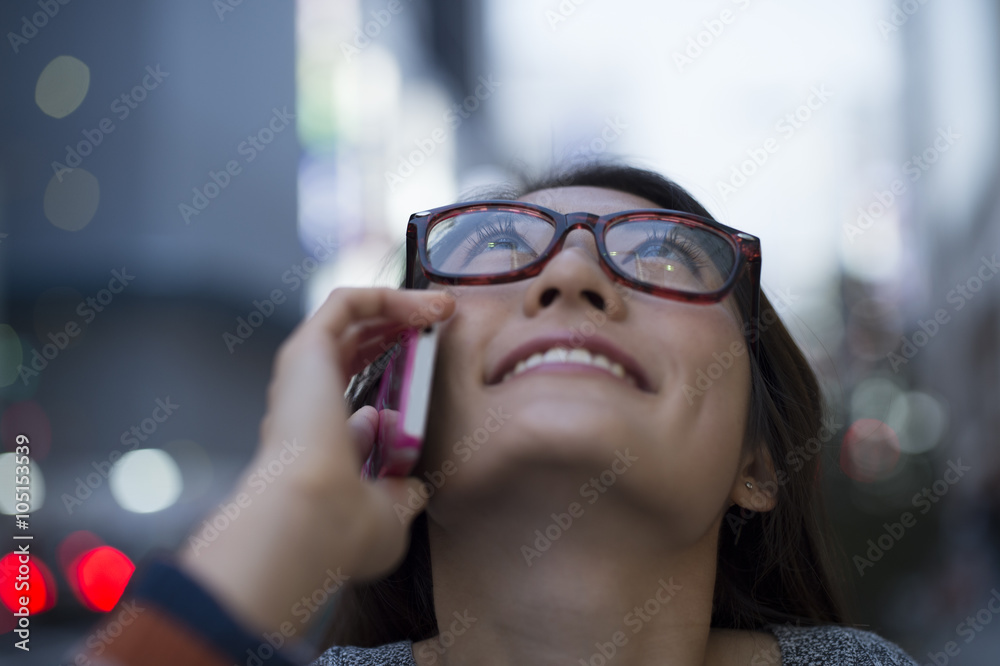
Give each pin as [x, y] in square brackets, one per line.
[182, 182]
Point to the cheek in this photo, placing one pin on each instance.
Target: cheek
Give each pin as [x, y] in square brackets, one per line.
[698, 427]
[714, 379]
[688, 472]
[454, 411]
[706, 430]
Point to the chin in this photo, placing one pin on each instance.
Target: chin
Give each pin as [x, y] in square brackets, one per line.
[555, 431]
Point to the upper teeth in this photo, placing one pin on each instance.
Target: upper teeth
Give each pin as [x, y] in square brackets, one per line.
[563, 355]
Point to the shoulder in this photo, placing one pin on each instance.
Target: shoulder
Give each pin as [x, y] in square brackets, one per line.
[391, 654]
[832, 644]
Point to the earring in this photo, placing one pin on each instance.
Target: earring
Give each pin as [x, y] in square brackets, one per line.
[749, 485]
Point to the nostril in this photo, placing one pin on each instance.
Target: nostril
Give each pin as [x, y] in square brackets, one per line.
[595, 299]
[592, 297]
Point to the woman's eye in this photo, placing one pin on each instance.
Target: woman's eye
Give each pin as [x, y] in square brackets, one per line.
[656, 250]
[488, 242]
[665, 248]
[502, 243]
[497, 241]
[497, 247]
[665, 257]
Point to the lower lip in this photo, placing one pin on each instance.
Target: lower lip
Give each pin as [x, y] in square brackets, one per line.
[568, 369]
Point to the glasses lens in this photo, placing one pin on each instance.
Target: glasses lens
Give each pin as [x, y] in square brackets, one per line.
[665, 252]
[488, 241]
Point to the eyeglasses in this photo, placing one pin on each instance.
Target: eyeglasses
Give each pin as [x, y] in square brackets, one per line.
[666, 253]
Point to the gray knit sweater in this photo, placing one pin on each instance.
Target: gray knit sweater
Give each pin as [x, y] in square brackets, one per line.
[800, 646]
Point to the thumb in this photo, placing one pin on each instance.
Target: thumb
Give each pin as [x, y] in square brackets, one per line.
[363, 426]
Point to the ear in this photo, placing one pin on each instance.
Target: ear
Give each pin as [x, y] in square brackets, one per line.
[756, 469]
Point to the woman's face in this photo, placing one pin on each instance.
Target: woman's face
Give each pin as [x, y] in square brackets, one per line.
[678, 415]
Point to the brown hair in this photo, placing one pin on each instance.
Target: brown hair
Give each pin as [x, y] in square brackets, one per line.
[773, 567]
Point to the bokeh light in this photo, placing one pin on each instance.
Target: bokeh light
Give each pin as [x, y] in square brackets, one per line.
[68, 555]
[870, 451]
[41, 592]
[73, 546]
[71, 199]
[36, 485]
[146, 480]
[101, 577]
[882, 399]
[62, 86]
[926, 421]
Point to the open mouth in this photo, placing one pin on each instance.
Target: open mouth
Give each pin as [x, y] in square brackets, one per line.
[597, 356]
[565, 356]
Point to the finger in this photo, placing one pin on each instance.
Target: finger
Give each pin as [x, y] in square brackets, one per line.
[413, 307]
[370, 344]
[362, 342]
[309, 383]
[363, 425]
[371, 328]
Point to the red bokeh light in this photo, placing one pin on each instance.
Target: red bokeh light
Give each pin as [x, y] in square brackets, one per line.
[100, 576]
[40, 589]
[68, 553]
[870, 450]
[75, 545]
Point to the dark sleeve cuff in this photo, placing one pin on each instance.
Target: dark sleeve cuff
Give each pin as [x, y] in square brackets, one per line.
[164, 584]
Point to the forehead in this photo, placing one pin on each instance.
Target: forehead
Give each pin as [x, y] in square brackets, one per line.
[597, 200]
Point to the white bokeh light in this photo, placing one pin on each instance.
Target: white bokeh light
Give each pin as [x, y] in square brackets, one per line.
[36, 485]
[62, 86]
[146, 480]
[71, 199]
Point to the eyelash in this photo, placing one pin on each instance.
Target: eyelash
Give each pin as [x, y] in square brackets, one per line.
[693, 255]
[488, 232]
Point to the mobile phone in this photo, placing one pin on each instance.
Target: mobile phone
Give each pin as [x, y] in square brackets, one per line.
[402, 402]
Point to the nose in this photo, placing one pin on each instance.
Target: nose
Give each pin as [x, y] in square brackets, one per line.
[574, 277]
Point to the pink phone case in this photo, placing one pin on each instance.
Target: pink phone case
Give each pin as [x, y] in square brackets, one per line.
[402, 401]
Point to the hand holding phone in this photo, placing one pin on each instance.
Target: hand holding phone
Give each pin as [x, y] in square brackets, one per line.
[327, 515]
[403, 401]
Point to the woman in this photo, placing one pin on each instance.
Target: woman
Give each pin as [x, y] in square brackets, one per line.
[642, 496]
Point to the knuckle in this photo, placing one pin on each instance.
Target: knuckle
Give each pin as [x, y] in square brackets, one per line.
[337, 294]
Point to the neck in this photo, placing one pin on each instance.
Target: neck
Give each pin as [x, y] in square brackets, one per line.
[597, 579]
